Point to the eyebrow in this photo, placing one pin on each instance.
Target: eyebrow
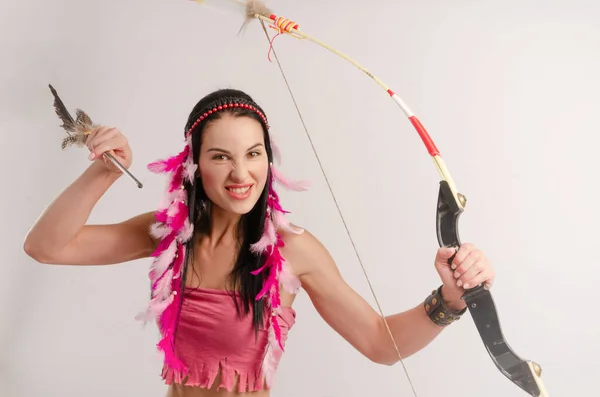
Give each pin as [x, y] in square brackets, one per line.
[216, 149]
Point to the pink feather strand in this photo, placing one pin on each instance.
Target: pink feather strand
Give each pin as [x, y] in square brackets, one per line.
[170, 164]
[186, 231]
[155, 308]
[158, 230]
[298, 186]
[289, 281]
[281, 222]
[268, 238]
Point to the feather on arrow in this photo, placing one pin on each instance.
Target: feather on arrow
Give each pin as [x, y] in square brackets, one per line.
[77, 129]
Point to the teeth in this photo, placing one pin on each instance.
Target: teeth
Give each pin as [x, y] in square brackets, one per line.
[240, 190]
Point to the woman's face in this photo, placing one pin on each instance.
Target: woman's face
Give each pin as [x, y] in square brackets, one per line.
[233, 163]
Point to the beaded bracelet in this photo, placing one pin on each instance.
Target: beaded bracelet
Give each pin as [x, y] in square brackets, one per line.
[437, 312]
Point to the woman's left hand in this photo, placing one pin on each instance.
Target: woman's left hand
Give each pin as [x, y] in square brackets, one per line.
[469, 268]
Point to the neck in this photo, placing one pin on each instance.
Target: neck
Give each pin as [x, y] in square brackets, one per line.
[223, 226]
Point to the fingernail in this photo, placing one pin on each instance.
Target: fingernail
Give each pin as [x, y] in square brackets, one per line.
[459, 283]
[456, 275]
[91, 156]
[453, 266]
[466, 285]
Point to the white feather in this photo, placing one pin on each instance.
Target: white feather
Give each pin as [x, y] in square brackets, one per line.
[159, 230]
[289, 281]
[164, 259]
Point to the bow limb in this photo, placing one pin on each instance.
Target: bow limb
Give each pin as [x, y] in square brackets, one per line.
[451, 204]
[524, 373]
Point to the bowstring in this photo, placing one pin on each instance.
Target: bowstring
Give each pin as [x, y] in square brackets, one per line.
[272, 49]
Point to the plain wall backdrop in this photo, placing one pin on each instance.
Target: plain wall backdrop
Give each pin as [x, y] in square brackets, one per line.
[508, 90]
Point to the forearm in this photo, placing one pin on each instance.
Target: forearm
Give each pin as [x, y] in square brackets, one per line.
[412, 331]
[67, 214]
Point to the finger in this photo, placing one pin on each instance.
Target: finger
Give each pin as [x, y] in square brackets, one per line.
[111, 139]
[94, 134]
[486, 277]
[463, 252]
[445, 253]
[108, 145]
[474, 268]
[103, 137]
[461, 266]
[97, 137]
[108, 162]
[90, 138]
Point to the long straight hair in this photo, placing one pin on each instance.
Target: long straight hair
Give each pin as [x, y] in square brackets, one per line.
[250, 226]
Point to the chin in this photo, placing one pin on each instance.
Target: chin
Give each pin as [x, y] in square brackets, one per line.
[241, 209]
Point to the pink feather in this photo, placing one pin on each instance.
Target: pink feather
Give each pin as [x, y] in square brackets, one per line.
[171, 361]
[273, 202]
[289, 281]
[162, 261]
[169, 315]
[287, 183]
[186, 231]
[163, 244]
[270, 360]
[268, 238]
[178, 196]
[169, 194]
[178, 265]
[162, 287]
[161, 216]
[189, 169]
[281, 222]
[158, 230]
[177, 179]
[269, 282]
[155, 307]
[179, 218]
[277, 330]
[170, 164]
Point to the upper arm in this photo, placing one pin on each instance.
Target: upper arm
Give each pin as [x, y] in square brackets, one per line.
[108, 244]
[342, 308]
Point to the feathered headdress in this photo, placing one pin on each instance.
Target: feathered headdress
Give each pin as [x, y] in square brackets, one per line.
[174, 228]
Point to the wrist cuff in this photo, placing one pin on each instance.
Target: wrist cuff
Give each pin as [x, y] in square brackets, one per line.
[437, 312]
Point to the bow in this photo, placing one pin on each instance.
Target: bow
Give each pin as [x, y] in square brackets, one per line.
[450, 205]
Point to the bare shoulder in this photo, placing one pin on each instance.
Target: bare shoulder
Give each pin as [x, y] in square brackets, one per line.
[305, 253]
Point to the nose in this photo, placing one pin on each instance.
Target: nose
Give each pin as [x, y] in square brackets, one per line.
[239, 173]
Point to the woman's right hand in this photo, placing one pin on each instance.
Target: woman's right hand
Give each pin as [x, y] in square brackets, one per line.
[109, 139]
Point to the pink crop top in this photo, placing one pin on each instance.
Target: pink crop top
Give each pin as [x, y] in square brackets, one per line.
[212, 340]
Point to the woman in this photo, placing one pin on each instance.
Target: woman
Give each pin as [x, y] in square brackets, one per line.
[221, 289]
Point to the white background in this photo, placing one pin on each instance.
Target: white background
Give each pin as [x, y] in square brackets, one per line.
[508, 91]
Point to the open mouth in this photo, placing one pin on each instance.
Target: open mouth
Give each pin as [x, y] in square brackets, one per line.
[239, 191]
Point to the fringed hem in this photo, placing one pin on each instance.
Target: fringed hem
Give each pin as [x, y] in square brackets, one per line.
[206, 376]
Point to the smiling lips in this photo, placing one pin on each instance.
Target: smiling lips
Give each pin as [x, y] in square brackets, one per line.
[239, 192]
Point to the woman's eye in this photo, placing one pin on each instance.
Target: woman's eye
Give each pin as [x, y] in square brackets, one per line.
[254, 154]
[220, 157]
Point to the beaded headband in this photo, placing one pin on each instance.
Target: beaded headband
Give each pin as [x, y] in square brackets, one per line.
[224, 104]
[174, 228]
